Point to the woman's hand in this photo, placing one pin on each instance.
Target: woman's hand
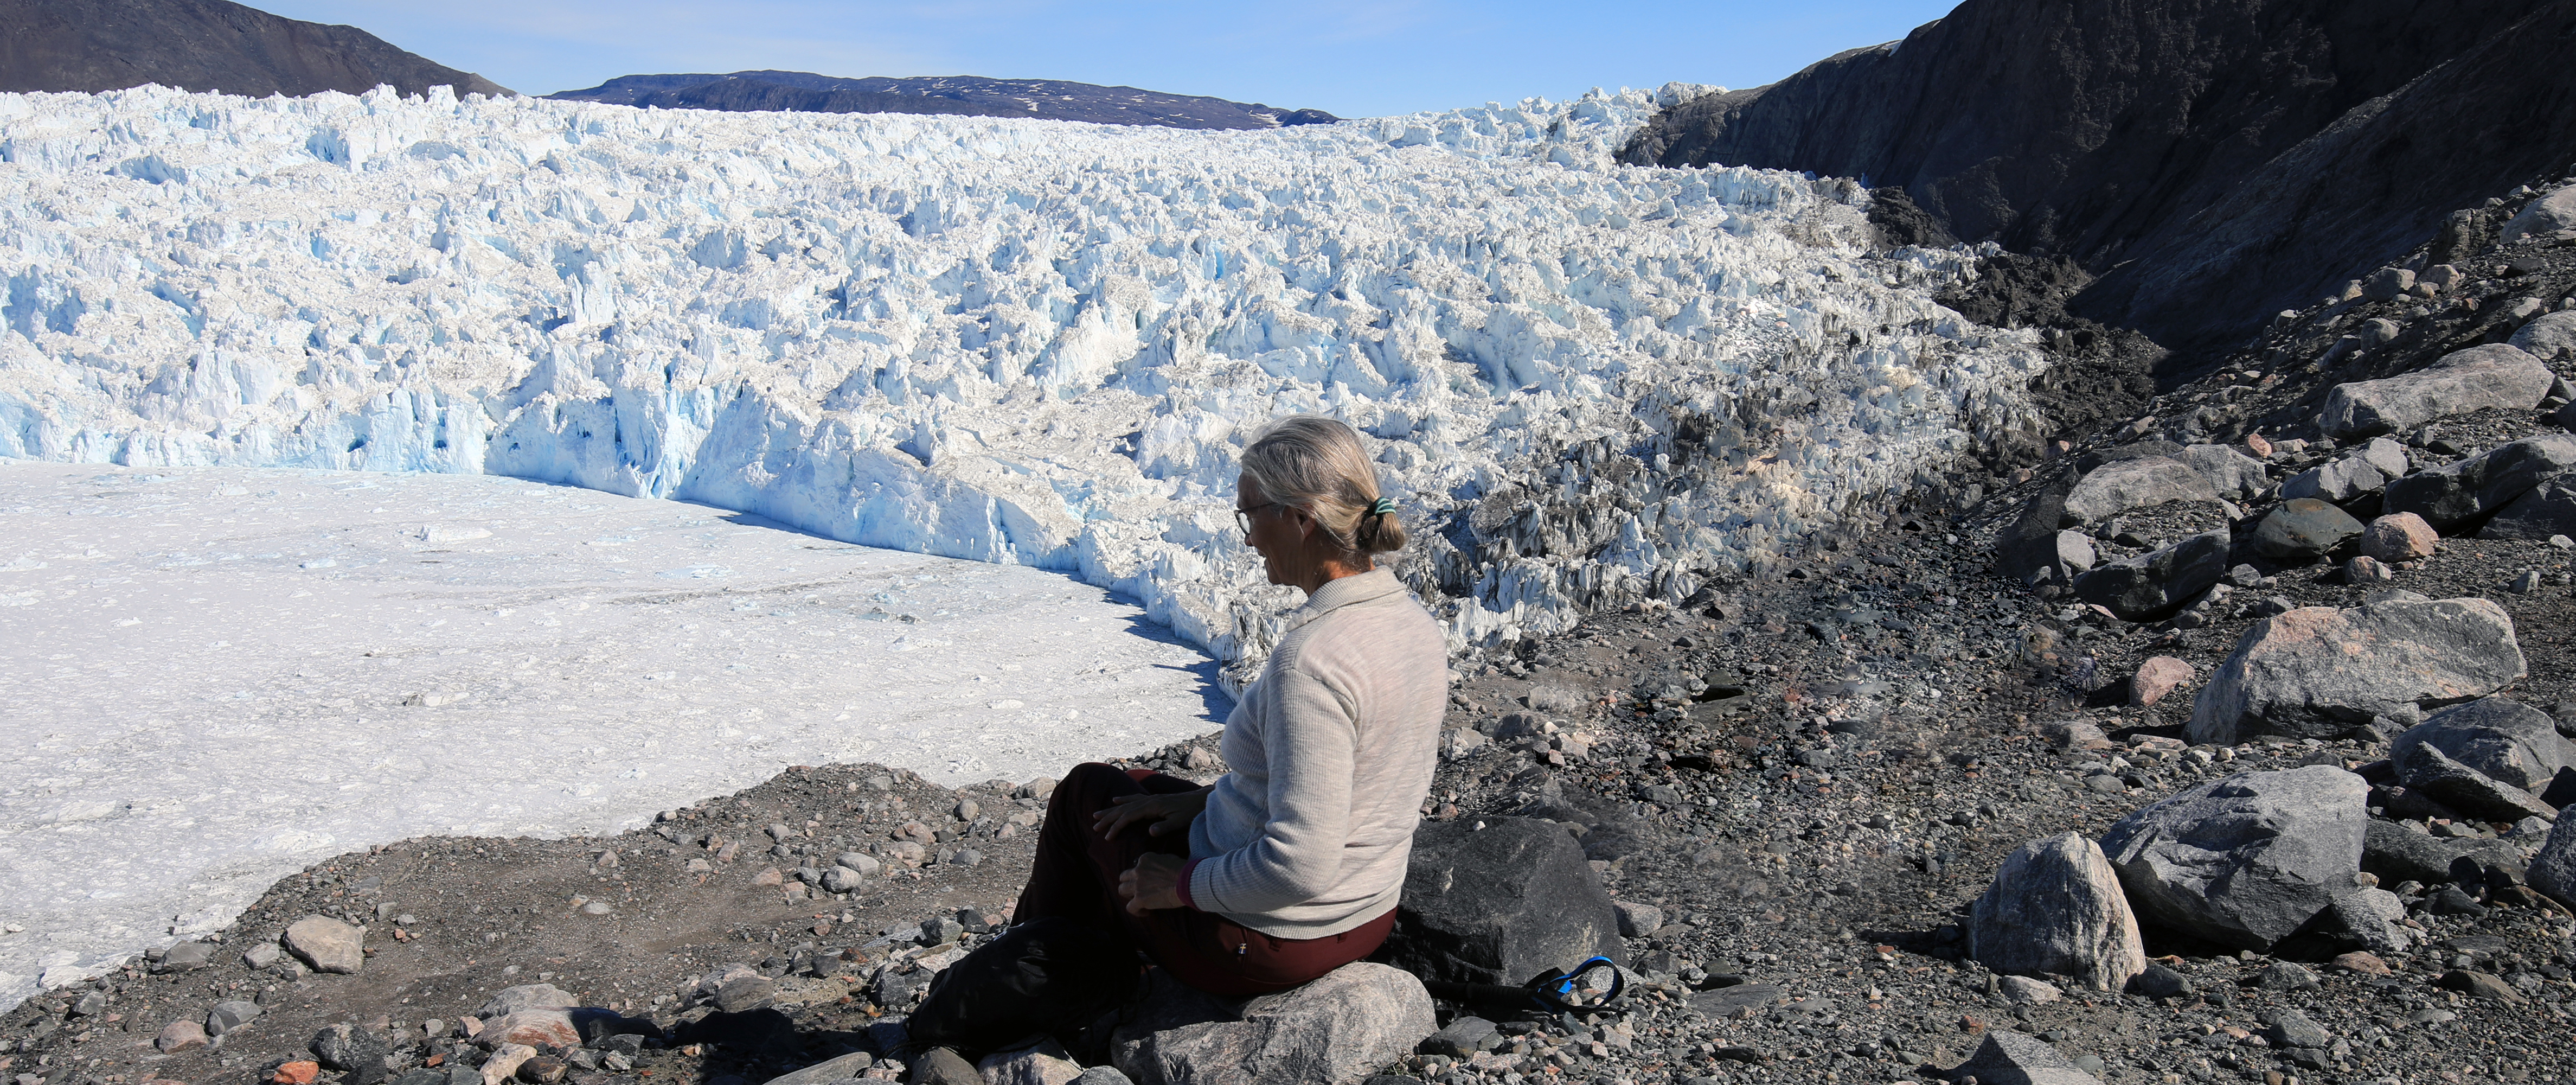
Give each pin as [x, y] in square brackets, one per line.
[1162, 815]
[1154, 882]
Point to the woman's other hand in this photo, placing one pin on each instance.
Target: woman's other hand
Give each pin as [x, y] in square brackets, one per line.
[1162, 815]
[1154, 882]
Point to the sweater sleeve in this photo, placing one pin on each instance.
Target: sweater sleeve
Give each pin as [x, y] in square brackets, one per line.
[1298, 854]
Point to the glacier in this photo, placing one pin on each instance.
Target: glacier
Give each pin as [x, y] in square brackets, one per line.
[1019, 342]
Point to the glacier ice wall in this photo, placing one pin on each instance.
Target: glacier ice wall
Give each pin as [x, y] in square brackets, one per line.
[1017, 341]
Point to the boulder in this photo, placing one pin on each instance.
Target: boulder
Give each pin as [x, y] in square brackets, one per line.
[2546, 215]
[2399, 536]
[537, 1028]
[2154, 585]
[2303, 529]
[2156, 677]
[2317, 672]
[325, 944]
[2006, 1057]
[2338, 482]
[2542, 511]
[2118, 487]
[359, 1052]
[2505, 740]
[2553, 868]
[1339, 1029]
[2462, 382]
[2055, 908]
[2074, 553]
[2550, 337]
[2386, 457]
[842, 1068]
[944, 1066]
[2447, 495]
[2396, 854]
[2246, 860]
[1045, 1063]
[2374, 917]
[2427, 769]
[184, 1033]
[2231, 473]
[1500, 904]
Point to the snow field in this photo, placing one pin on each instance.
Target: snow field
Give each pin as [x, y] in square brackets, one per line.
[1020, 342]
[217, 676]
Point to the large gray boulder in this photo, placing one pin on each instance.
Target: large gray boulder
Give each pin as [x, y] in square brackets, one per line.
[2006, 1057]
[2546, 215]
[2118, 487]
[2246, 860]
[2550, 337]
[2506, 740]
[1500, 904]
[2553, 870]
[2230, 472]
[2339, 481]
[1337, 1029]
[2316, 672]
[2465, 381]
[2542, 511]
[2444, 496]
[2303, 528]
[2055, 908]
[2426, 768]
[2154, 585]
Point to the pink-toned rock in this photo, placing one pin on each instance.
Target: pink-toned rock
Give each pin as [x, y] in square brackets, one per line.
[505, 1061]
[181, 1034]
[531, 1028]
[2399, 536]
[469, 1027]
[2158, 676]
[769, 876]
[2365, 963]
[2257, 447]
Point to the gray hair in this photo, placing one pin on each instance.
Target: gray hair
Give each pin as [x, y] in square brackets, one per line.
[1318, 465]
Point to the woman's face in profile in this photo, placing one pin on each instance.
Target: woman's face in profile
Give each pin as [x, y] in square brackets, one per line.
[1273, 533]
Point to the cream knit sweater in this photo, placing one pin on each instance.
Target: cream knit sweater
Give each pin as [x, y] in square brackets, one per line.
[1332, 752]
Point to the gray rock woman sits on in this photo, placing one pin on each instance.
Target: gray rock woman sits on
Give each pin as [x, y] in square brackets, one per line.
[1288, 866]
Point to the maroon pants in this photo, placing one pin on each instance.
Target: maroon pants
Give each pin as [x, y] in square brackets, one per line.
[1076, 877]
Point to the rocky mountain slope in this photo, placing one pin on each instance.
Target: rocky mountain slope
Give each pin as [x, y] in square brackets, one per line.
[2250, 775]
[202, 45]
[2213, 161]
[959, 95]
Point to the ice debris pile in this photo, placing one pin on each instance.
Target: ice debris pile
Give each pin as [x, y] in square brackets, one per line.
[1016, 341]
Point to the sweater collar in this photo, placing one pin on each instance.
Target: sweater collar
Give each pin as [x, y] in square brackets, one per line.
[1346, 591]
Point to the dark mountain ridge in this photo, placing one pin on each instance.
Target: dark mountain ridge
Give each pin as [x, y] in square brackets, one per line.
[2211, 161]
[960, 95]
[202, 45]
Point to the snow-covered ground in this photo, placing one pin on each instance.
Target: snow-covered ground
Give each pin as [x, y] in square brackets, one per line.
[1025, 342]
[215, 676]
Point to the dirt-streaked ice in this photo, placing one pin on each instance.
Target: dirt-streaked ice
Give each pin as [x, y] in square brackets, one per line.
[215, 676]
[1023, 342]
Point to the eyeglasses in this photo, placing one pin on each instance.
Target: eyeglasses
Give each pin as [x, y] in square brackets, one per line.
[1243, 516]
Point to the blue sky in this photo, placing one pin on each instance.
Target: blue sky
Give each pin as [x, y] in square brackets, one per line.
[1351, 58]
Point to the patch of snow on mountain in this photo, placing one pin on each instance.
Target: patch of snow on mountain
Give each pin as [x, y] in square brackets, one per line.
[1023, 342]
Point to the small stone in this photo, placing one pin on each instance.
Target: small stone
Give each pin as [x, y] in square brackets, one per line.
[503, 1065]
[2303, 528]
[966, 857]
[299, 1072]
[968, 809]
[780, 832]
[542, 1070]
[596, 907]
[2367, 964]
[185, 957]
[2158, 981]
[842, 879]
[2286, 976]
[2365, 569]
[2526, 583]
[769, 876]
[263, 955]
[229, 1015]
[942, 1066]
[2025, 991]
[2478, 984]
[2156, 677]
[2399, 536]
[1638, 920]
[327, 945]
[188, 1033]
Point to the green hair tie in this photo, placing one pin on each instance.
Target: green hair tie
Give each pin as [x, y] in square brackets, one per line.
[1384, 507]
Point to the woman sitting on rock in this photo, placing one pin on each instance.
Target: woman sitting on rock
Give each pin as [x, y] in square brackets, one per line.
[1288, 866]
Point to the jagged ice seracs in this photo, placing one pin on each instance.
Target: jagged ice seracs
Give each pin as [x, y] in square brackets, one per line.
[1024, 342]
